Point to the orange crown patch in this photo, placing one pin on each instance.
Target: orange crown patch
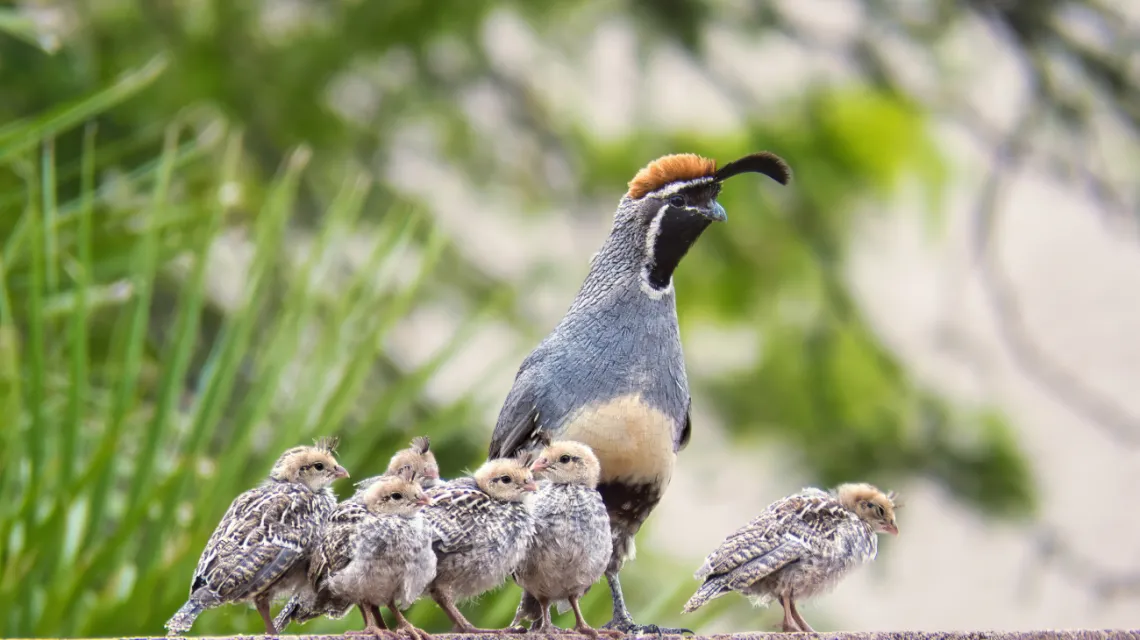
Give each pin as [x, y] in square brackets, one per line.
[667, 169]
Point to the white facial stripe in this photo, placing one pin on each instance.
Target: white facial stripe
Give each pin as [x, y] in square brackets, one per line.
[650, 245]
[674, 187]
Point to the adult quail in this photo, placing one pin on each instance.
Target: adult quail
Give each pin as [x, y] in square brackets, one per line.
[483, 528]
[375, 550]
[572, 545]
[799, 547]
[612, 374]
[260, 550]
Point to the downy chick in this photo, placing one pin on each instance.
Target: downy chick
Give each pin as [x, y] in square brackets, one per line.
[572, 543]
[483, 528]
[800, 547]
[418, 457]
[376, 551]
[421, 462]
[260, 550]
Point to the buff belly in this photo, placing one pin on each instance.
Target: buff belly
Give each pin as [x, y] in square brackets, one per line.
[634, 444]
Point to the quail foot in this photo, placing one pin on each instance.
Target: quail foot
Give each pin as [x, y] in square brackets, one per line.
[798, 548]
[483, 527]
[612, 373]
[260, 550]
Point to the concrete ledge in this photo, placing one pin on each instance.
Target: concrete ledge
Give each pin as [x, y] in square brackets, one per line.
[1073, 634]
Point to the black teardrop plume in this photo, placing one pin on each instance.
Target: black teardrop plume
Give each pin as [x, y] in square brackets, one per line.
[763, 162]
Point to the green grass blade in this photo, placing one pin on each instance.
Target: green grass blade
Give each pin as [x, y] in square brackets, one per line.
[22, 135]
[103, 464]
[82, 274]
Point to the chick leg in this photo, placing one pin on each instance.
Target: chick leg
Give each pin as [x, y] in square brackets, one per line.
[790, 625]
[375, 616]
[402, 624]
[583, 627]
[543, 624]
[458, 621]
[262, 604]
[623, 622]
[804, 626]
[526, 611]
[370, 626]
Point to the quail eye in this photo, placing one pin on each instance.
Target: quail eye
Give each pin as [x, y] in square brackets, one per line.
[565, 459]
[677, 201]
[320, 466]
[505, 479]
[397, 496]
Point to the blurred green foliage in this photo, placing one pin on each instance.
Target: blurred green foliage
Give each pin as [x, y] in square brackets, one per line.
[167, 147]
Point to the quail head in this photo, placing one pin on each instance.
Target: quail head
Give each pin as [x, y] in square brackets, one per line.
[483, 527]
[260, 550]
[418, 457]
[612, 373]
[572, 545]
[375, 550]
[798, 548]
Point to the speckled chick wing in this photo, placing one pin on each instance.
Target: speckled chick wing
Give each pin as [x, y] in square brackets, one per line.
[799, 547]
[571, 545]
[478, 540]
[262, 542]
[368, 558]
[260, 549]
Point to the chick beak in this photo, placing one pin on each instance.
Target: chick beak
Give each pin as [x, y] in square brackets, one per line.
[530, 485]
[340, 472]
[716, 212]
[540, 465]
[423, 501]
[432, 473]
[891, 528]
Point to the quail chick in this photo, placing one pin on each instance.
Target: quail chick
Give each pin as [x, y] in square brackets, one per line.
[799, 547]
[612, 373]
[419, 457]
[376, 551]
[483, 528]
[260, 550]
[572, 544]
[421, 461]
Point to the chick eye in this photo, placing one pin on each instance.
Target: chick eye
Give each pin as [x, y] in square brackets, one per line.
[320, 466]
[397, 496]
[677, 201]
[564, 459]
[505, 479]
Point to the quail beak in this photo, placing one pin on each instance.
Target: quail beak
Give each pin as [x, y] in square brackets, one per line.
[891, 529]
[716, 212]
[340, 472]
[530, 485]
[540, 465]
[423, 501]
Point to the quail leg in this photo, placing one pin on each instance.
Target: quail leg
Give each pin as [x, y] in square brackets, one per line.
[583, 627]
[371, 628]
[459, 622]
[375, 616]
[402, 624]
[526, 611]
[623, 622]
[804, 626]
[262, 604]
[543, 624]
[790, 625]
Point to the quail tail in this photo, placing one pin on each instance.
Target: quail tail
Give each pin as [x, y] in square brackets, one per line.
[183, 619]
[712, 588]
